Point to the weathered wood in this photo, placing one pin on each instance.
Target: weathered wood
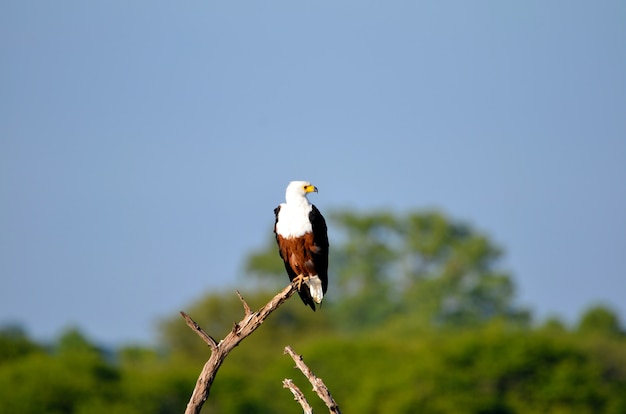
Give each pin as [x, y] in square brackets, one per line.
[298, 395]
[318, 385]
[250, 322]
[201, 333]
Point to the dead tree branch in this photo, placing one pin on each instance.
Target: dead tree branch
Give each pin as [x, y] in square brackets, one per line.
[197, 329]
[298, 395]
[318, 385]
[250, 322]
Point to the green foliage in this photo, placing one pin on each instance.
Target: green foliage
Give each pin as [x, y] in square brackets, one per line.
[73, 343]
[14, 344]
[601, 320]
[487, 370]
[77, 378]
[493, 369]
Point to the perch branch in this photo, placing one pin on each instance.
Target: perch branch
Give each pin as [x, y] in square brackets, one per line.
[318, 385]
[298, 395]
[250, 322]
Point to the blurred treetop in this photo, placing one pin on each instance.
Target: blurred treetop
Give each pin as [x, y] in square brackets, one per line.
[422, 265]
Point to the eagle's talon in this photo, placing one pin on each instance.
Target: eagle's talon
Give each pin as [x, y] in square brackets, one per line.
[297, 281]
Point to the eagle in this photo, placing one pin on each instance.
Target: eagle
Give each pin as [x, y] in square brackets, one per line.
[302, 239]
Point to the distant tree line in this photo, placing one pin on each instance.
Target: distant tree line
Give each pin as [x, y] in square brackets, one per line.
[419, 317]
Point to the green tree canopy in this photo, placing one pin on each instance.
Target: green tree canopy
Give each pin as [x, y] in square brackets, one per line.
[14, 343]
[600, 319]
[420, 264]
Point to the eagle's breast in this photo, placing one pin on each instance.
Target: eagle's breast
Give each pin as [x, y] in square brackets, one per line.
[293, 221]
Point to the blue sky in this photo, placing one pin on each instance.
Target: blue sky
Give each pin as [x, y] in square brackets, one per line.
[144, 145]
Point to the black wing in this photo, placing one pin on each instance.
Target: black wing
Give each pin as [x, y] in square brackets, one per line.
[320, 237]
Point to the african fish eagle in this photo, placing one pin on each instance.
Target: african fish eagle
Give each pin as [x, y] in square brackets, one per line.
[302, 240]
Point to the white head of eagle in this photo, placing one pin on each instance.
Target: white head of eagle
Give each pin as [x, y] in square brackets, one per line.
[302, 240]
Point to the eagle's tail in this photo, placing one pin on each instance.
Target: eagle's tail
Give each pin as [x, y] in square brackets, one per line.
[315, 287]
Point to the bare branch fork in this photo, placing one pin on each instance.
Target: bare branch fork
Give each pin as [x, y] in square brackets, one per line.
[250, 322]
[318, 386]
